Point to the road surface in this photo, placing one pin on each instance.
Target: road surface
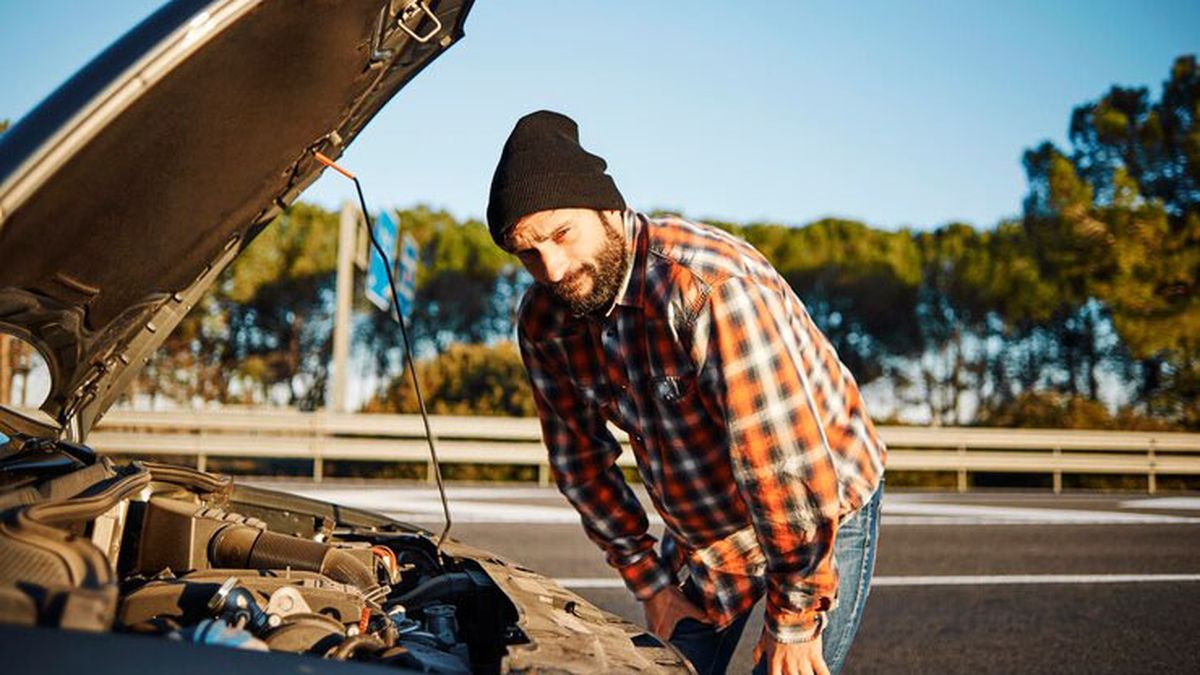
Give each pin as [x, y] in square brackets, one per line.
[995, 582]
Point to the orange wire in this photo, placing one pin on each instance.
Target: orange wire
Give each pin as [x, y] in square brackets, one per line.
[332, 164]
[388, 555]
[364, 620]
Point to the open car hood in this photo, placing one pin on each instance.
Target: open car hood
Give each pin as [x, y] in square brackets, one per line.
[126, 192]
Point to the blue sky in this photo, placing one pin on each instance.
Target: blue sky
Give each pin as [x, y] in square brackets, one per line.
[894, 113]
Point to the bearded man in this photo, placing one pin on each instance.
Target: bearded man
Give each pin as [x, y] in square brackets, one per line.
[751, 437]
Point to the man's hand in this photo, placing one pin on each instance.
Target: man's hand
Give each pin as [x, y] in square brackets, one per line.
[798, 658]
[666, 608]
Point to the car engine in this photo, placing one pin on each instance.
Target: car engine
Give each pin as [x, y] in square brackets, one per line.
[161, 550]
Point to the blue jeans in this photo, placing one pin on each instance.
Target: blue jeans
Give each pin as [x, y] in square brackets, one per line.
[710, 650]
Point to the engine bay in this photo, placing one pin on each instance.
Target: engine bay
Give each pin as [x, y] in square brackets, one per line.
[160, 550]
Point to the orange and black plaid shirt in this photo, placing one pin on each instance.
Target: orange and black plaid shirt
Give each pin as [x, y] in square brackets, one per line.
[715, 370]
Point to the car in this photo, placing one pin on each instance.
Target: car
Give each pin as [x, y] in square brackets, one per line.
[123, 196]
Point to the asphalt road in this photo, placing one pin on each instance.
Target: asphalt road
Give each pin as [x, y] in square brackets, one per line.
[978, 583]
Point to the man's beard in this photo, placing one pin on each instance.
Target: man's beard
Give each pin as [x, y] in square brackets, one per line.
[607, 273]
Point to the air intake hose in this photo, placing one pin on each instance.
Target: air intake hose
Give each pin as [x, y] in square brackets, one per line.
[245, 547]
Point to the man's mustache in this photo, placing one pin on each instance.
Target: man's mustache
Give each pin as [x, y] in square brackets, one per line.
[564, 285]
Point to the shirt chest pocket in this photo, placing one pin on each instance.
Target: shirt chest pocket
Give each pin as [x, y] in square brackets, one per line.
[692, 439]
[672, 380]
[673, 388]
[677, 403]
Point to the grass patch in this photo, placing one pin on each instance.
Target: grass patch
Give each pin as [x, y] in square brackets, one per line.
[1104, 482]
[342, 468]
[1178, 483]
[250, 466]
[1001, 479]
[490, 472]
[174, 460]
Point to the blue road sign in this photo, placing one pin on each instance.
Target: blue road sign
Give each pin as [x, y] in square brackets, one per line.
[406, 282]
[377, 282]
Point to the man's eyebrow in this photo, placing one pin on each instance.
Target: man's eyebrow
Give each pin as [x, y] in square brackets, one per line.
[543, 237]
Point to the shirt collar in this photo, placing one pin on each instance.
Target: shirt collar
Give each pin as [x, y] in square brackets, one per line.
[630, 292]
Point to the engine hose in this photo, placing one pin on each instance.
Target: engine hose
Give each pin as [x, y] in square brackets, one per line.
[451, 583]
[201, 481]
[245, 547]
[351, 645]
[88, 506]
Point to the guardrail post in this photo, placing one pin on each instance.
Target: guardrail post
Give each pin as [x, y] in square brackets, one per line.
[543, 475]
[201, 458]
[1057, 470]
[319, 432]
[430, 472]
[1151, 475]
[962, 468]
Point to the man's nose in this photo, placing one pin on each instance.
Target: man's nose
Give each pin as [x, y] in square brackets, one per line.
[554, 266]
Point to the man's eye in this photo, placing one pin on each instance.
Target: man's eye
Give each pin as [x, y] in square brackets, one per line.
[561, 234]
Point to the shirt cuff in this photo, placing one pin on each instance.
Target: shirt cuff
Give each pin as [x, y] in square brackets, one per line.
[792, 627]
[646, 576]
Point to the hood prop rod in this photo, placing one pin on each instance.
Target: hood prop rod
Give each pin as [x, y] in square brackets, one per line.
[412, 364]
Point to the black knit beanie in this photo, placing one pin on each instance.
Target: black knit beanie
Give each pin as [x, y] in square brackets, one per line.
[543, 167]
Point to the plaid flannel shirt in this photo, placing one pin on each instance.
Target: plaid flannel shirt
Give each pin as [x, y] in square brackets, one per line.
[714, 368]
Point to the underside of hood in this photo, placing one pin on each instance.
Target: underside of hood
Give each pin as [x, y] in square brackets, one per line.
[127, 191]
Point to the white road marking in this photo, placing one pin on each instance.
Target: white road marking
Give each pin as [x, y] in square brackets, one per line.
[586, 582]
[962, 514]
[1020, 579]
[489, 512]
[424, 506]
[341, 493]
[952, 580]
[1174, 503]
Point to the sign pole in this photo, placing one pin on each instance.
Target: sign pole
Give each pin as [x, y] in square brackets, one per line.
[345, 291]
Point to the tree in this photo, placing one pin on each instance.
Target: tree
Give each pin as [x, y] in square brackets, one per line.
[464, 380]
[283, 289]
[950, 319]
[263, 332]
[1117, 226]
[467, 290]
[859, 284]
[1072, 246]
[1156, 142]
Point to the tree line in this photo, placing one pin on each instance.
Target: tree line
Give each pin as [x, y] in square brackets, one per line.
[1081, 312]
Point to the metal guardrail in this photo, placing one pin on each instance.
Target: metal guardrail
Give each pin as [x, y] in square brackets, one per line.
[325, 436]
